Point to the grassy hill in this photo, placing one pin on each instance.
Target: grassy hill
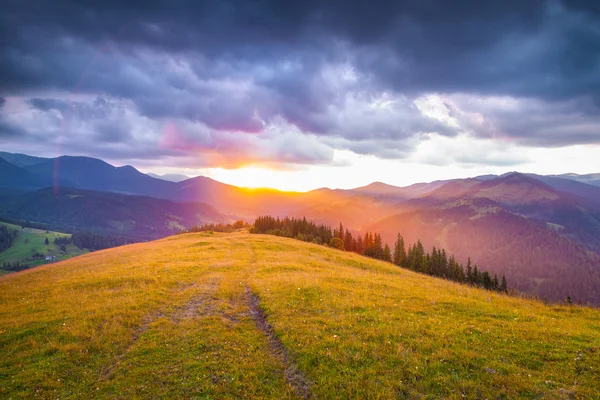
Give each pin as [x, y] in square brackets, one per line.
[34, 239]
[252, 316]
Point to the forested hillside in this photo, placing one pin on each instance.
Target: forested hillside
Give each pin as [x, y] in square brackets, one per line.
[534, 258]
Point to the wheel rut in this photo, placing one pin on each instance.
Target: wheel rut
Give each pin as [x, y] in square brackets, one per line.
[197, 305]
[292, 373]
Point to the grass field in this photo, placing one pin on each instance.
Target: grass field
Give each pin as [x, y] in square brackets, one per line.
[34, 239]
[236, 315]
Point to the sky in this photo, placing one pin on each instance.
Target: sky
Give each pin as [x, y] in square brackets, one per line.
[298, 95]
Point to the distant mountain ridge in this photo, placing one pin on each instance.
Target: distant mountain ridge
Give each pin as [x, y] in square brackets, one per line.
[590, 179]
[536, 229]
[169, 177]
[135, 217]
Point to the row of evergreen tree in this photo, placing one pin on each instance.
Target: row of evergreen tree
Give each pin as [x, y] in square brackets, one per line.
[219, 227]
[435, 263]
[61, 240]
[96, 241]
[300, 229]
[14, 267]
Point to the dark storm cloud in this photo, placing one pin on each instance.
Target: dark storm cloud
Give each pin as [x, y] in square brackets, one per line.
[8, 130]
[238, 65]
[437, 45]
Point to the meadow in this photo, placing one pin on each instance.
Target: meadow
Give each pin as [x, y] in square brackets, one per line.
[29, 240]
[211, 316]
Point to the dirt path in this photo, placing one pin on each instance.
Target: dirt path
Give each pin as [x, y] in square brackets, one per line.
[198, 304]
[292, 374]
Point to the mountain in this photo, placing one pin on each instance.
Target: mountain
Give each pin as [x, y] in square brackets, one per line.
[15, 178]
[514, 224]
[514, 189]
[354, 211]
[590, 179]
[22, 160]
[395, 193]
[576, 188]
[135, 217]
[570, 215]
[169, 177]
[94, 174]
[255, 316]
[450, 190]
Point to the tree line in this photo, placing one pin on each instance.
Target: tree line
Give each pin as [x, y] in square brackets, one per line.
[14, 267]
[434, 263]
[62, 240]
[95, 241]
[220, 227]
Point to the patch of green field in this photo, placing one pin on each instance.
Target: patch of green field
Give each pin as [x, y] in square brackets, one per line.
[10, 226]
[172, 319]
[33, 240]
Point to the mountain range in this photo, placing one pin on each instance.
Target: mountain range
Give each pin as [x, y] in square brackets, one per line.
[541, 231]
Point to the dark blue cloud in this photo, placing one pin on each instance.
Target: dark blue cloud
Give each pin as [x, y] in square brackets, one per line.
[236, 65]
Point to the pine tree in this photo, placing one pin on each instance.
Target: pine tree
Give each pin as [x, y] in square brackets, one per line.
[399, 251]
[360, 248]
[503, 286]
[495, 284]
[475, 276]
[387, 253]
[378, 246]
[348, 241]
[47, 242]
[486, 280]
[469, 271]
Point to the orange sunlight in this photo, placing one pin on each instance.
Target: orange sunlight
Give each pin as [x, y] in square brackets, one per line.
[259, 177]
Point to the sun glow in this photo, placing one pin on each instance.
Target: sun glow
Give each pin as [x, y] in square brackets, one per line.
[437, 158]
[258, 177]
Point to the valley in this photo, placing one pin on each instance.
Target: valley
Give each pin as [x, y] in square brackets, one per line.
[30, 248]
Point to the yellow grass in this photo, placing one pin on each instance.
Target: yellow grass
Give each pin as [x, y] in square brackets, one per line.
[171, 319]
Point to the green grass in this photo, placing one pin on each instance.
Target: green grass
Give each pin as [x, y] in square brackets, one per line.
[30, 240]
[170, 319]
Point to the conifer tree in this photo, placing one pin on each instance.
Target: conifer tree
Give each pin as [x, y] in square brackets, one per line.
[378, 246]
[348, 241]
[503, 286]
[399, 251]
[469, 271]
[486, 280]
[387, 253]
[360, 248]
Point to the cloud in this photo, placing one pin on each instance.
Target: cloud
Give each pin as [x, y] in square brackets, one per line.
[467, 151]
[527, 121]
[287, 82]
